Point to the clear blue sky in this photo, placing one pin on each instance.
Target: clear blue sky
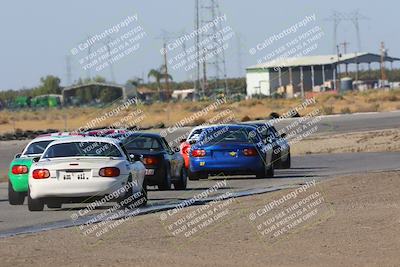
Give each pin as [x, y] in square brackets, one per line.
[37, 35]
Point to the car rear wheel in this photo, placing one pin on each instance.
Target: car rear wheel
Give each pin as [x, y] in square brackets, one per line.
[270, 171]
[166, 182]
[267, 172]
[122, 200]
[34, 204]
[287, 163]
[14, 197]
[195, 176]
[144, 197]
[182, 183]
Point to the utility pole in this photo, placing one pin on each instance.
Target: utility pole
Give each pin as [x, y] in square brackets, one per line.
[205, 83]
[383, 57]
[166, 69]
[197, 26]
[338, 66]
[344, 44]
[89, 51]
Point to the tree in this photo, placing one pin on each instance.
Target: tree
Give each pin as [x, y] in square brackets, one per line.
[50, 85]
[159, 74]
[99, 79]
[156, 74]
[135, 82]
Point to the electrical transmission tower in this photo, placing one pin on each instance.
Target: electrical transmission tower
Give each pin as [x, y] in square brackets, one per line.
[210, 53]
[353, 17]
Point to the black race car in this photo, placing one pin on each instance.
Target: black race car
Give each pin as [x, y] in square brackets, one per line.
[281, 148]
[164, 166]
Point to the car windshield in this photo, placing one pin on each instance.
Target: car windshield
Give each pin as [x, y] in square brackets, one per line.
[142, 143]
[195, 134]
[226, 134]
[37, 147]
[82, 149]
[266, 131]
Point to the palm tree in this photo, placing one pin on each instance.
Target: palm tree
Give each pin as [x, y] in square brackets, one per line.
[157, 75]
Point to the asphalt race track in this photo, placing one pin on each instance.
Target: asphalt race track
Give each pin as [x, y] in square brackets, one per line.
[305, 168]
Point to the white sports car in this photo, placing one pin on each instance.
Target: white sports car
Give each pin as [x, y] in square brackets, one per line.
[85, 169]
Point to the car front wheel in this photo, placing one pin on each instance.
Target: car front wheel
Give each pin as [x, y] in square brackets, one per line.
[14, 197]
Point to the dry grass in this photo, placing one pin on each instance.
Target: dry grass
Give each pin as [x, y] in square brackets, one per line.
[169, 114]
[367, 141]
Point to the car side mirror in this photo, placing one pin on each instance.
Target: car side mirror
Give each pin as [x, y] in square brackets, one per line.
[183, 140]
[135, 157]
[283, 135]
[36, 159]
[17, 156]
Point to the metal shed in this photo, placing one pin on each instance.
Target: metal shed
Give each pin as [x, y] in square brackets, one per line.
[304, 72]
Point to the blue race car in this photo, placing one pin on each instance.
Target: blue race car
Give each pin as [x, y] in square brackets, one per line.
[230, 150]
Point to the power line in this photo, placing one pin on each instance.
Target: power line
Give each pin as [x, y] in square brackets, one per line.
[353, 17]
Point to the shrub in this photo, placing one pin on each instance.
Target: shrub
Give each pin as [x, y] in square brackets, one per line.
[327, 110]
[198, 121]
[274, 115]
[345, 110]
[370, 108]
[4, 121]
[246, 118]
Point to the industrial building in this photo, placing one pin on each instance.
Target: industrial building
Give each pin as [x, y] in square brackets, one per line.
[295, 76]
[72, 95]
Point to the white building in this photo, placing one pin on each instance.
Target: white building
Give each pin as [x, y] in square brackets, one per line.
[303, 73]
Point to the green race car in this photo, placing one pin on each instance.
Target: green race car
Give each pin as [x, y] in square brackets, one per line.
[19, 167]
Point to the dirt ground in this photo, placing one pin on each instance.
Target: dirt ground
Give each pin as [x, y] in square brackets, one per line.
[366, 141]
[362, 229]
